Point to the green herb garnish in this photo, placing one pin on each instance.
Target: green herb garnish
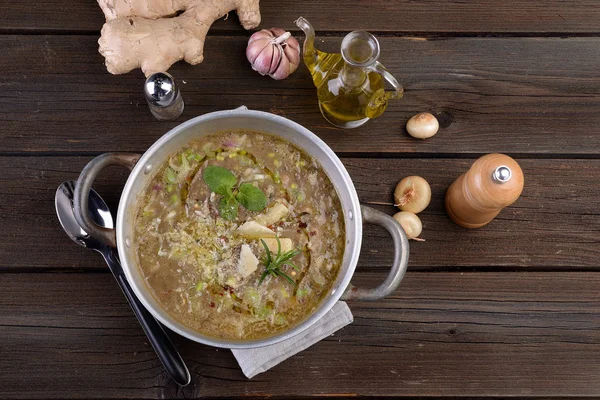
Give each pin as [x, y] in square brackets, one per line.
[273, 264]
[228, 208]
[251, 197]
[222, 181]
[219, 179]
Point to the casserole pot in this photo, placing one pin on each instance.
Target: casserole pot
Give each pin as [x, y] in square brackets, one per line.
[143, 168]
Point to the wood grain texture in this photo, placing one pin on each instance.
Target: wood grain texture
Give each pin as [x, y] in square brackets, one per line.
[555, 223]
[518, 96]
[436, 16]
[507, 310]
[445, 334]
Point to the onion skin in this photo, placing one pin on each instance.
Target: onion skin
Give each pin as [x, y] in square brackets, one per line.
[411, 224]
[422, 126]
[412, 194]
[273, 52]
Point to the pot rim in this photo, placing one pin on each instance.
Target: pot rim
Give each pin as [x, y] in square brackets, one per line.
[351, 216]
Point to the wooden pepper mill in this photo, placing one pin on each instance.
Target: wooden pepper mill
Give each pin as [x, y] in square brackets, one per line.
[493, 182]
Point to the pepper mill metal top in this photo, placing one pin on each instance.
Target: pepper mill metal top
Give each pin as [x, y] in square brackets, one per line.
[502, 174]
[163, 96]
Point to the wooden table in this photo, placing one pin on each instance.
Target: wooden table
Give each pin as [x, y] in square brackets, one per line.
[508, 310]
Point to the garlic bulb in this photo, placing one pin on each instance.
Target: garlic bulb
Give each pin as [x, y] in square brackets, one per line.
[273, 52]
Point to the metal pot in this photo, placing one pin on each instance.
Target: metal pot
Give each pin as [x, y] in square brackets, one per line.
[143, 168]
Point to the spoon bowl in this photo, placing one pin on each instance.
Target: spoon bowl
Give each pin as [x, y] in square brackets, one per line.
[99, 211]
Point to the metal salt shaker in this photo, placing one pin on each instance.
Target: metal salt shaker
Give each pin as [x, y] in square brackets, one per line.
[163, 96]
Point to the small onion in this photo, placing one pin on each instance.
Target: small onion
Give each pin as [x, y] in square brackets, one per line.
[422, 126]
[411, 224]
[412, 194]
[273, 52]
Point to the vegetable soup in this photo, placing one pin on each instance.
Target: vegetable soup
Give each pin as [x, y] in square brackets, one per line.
[240, 235]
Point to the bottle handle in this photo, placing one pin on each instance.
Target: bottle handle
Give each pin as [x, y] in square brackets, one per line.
[378, 101]
[398, 91]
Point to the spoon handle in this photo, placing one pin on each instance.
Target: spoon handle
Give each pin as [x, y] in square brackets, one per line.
[164, 348]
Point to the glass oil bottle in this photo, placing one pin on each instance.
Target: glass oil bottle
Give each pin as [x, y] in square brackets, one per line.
[350, 84]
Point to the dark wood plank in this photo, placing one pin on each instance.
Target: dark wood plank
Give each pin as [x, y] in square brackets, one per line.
[521, 96]
[438, 16]
[555, 224]
[446, 334]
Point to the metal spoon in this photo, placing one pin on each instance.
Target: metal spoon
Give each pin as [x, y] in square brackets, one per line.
[164, 348]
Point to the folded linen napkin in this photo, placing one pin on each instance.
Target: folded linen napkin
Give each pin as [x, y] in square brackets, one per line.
[256, 361]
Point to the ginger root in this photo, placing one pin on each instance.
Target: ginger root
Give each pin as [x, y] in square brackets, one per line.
[155, 34]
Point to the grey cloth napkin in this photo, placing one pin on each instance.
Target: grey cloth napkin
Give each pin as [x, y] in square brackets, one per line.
[256, 361]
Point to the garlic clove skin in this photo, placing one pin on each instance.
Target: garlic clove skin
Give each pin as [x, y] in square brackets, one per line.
[262, 65]
[292, 52]
[262, 34]
[422, 126]
[289, 61]
[282, 70]
[260, 54]
[281, 34]
[275, 59]
[254, 49]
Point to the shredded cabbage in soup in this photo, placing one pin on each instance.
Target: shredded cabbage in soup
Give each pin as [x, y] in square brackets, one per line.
[219, 267]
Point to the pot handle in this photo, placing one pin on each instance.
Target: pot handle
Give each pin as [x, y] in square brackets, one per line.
[401, 251]
[82, 193]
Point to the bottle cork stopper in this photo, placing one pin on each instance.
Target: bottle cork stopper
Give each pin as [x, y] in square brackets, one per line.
[493, 182]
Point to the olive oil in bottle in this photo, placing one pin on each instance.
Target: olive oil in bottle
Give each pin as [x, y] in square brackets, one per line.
[350, 85]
